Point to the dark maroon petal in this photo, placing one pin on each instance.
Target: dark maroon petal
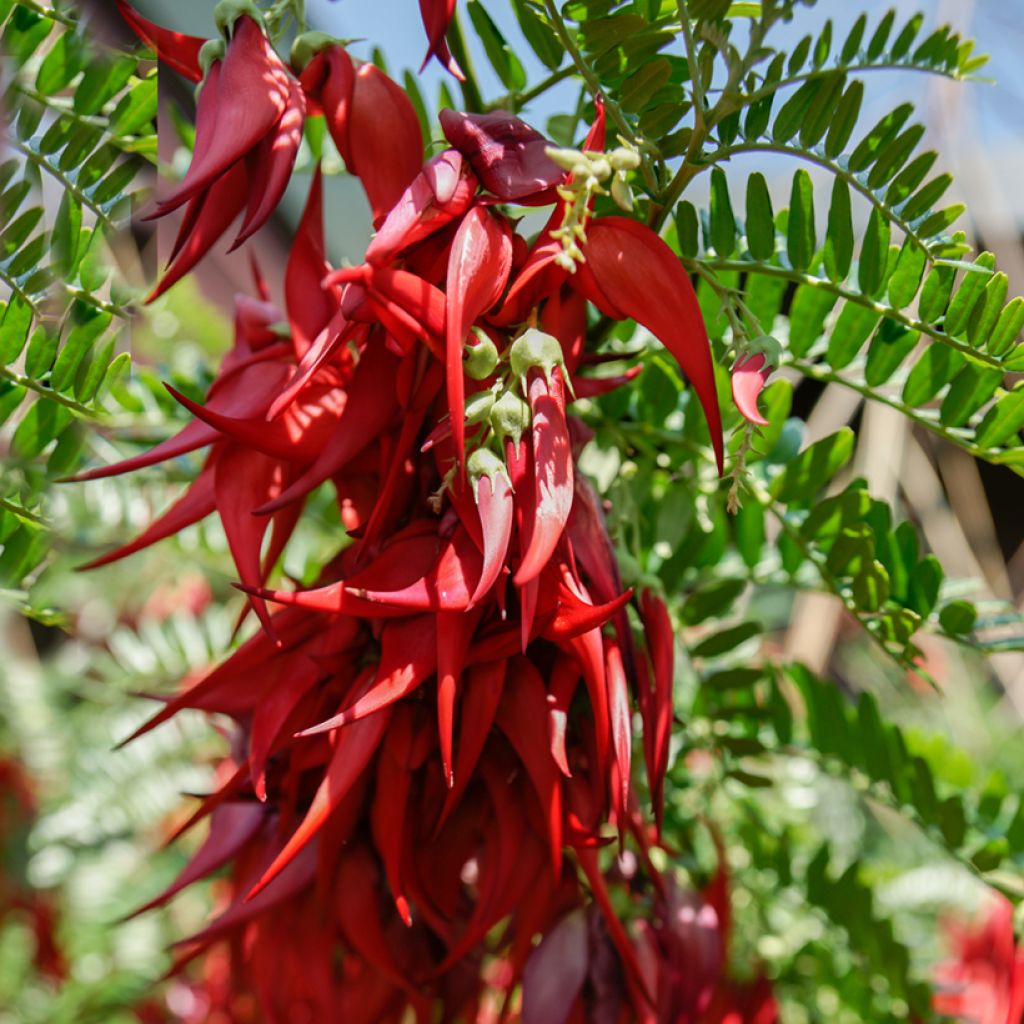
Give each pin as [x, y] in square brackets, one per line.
[506, 153]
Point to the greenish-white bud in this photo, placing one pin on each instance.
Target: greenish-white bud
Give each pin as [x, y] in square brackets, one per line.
[600, 168]
[567, 159]
[535, 350]
[481, 359]
[510, 417]
[623, 159]
[227, 12]
[307, 46]
[622, 193]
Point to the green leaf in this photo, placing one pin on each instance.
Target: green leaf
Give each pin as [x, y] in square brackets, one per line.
[540, 36]
[958, 617]
[79, 341]
[971, 388]
[503, 59]
[639, 88]
[687, 229]
[938, 286]
[726, 640]
[935, 368]
[967, 295]
[822, 111]
[1007, 328]
[760, 218]
[987, 311]
[890, 346]
[874, 255]
[851, 330]
[839, 237]
[906, 277]
[814, 467]
[91, 371]
[42, 423]
[67, 230]
[136, 110]
[844, 120]
[24, 33]
[722, 220]
[60, 65]
[17, 319]
[101, 82]
[713, 599]
[811, 306]
[41, 350]
[1003, 421]
[801, 237]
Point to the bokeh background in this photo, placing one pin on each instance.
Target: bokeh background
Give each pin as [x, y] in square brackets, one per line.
[84, 822]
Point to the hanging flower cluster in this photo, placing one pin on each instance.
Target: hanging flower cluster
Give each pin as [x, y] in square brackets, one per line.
[434, 742]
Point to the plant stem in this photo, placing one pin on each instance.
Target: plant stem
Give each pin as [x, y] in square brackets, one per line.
[521, 99]
[612, 109]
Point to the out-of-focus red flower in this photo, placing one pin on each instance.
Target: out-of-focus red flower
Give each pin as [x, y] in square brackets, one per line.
[984, 982]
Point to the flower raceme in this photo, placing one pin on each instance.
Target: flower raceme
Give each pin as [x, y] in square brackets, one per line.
[434, 740]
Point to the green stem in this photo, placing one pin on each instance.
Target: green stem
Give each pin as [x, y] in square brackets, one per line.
[48, 393]
[21, 512]
[49, 12]
[586, 72]
[16, 289]
[851, 69]
[822, 284]
[726, 152]
[54, 172]
[471, 94]
[523, 98]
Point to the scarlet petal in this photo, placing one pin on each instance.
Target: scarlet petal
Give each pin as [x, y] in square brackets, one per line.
[353, 749]
[310, 305]
[494, 501]
[251, 95]
[223, 202]
[553, 474]
[384, 139]
[631, 273]
[442, 191]
[478, 269]
[274, 159]
[748, 380]
[175, 49]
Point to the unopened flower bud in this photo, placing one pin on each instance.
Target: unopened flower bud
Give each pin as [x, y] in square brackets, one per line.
[478, 406]
[622, 193]
[567, 159]
[623, 159]
[510, 417]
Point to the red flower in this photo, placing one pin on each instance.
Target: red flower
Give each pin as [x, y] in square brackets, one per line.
[984, 984]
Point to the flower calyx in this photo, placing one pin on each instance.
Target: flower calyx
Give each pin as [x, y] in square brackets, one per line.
[535, 350]
[480, 360]
[227, 12]
[307, 46]
[510, 417]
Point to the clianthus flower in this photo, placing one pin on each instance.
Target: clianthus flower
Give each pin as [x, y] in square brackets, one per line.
[434, 739]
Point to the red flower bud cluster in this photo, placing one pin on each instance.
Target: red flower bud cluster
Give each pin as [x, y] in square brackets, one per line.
[433, 740]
